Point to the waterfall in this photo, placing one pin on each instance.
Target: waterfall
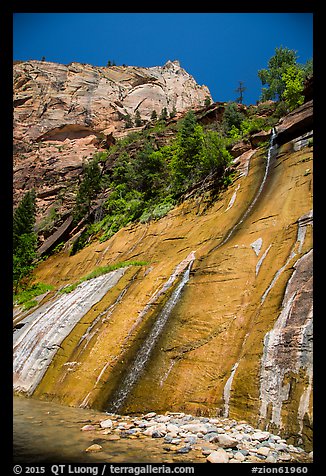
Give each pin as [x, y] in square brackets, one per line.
[271, 150]
[227, 390]
[143, 355]
[270, 153]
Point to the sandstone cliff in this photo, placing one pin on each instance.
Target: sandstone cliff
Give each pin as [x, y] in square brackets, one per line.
[223, 305]
[63, 113]
[238, 340]
[78, 99]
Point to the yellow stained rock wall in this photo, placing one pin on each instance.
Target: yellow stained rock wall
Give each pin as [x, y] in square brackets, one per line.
[208, 359]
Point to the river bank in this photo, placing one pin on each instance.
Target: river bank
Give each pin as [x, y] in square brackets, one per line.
[48, 432]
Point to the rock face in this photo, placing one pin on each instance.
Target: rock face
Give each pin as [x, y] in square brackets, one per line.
[53, 322]
[298, 122]
[236, 338]
[77, 100]
[237, 342]
[63, 114]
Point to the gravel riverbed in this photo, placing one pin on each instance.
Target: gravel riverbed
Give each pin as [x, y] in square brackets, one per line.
[213, 440]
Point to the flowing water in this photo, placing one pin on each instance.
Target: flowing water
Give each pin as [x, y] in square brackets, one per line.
[48, 432]
[270, 155]
[45, 432]
[143, 355]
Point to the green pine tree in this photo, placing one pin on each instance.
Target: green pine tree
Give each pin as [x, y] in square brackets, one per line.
[173, 113]
[188, 146]
[154, 115]
[24, 238]
[138, 120]
[88, 189]
[128, 121]
[164, 114]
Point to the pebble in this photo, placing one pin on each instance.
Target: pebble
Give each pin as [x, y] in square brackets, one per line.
[94, 448]
[191, 439]
[106, 423]
[184, 449]
[244, 452]
[260, 435]
[285, 457]
[218, 456]
[226, 441]
[218, 440]
[195, 428]
[175, 441]
[220, 430]
[150, 415]
[239, 456]
[88, 428]
[113, 437]
[171, 428]
[207, 451]
[263, 450]
[163, 419]
[270, 459]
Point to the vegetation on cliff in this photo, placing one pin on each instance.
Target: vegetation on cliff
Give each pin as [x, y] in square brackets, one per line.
[145, 174]
[26, 297]
[285, 78]
[24, 238]
[235, 318]
[143, 180]
[100, 271]
[88, 189]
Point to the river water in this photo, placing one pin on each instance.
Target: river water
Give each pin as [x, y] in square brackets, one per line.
[46, 432]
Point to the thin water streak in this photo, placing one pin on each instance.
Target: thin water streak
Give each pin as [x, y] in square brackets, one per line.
[271, 152]
[143, 356]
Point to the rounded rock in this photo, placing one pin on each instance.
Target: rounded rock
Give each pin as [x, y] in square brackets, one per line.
[113, 438]
[218, 456]
[244, 452]
[88, 428]
[226, 441]
[94, 448]
[263, 450]
[106, 423]
[270, 459]
[239, 456]
[260, 435]
[207, 451]
[184, 449]
[284, 457]
[150, 415]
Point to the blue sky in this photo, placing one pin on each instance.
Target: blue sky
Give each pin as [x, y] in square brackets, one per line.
[217, 49]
